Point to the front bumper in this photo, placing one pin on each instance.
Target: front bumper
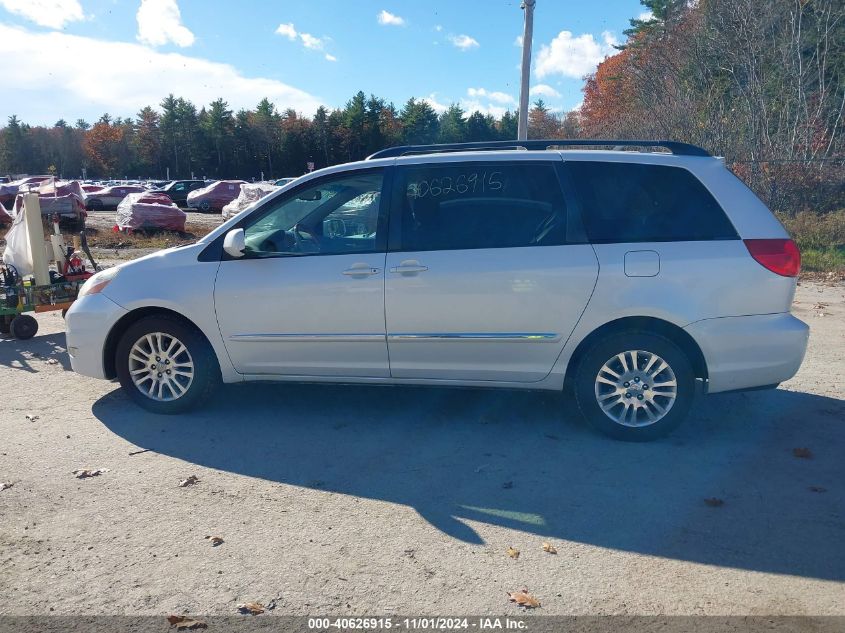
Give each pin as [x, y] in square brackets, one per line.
[750, 351]
[88, 323]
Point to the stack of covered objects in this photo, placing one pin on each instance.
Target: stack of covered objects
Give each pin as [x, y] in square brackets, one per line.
[249, 193]
[63, 198]
[215, 196]
[9, 190]
[149, 210]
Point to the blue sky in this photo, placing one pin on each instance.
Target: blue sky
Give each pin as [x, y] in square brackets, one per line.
[80, 58]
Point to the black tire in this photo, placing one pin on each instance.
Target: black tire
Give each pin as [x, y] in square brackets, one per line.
[586, 387]
[23, 327]
[205, 206]
[94, 204]
[206, 370]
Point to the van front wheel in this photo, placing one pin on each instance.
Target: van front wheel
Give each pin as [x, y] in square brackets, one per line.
[165, 365]
[635, 386]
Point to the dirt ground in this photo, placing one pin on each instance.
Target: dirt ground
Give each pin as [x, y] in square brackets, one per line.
[366, 500]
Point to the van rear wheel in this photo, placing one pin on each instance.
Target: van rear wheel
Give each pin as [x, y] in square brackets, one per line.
[635, 386]
[165, 365]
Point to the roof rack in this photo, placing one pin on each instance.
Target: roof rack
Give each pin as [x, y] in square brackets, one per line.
[675, 147]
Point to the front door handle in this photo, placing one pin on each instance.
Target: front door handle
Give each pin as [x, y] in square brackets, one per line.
[409, 267]
[361, 270]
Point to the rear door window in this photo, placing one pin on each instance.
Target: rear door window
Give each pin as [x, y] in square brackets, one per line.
[457, 206]
[635, 202]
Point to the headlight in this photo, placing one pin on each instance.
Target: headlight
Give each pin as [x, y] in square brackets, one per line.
[98, 282]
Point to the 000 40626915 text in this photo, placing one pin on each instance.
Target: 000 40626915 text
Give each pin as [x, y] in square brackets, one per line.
[485, 182]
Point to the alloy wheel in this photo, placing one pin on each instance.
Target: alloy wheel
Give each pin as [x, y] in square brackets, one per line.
[636, 388]
[161, 366]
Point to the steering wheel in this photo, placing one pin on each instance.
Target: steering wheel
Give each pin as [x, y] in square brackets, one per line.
[299, 238]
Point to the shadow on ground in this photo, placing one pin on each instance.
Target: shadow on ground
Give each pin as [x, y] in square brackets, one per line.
[31, 354]
[508, 459]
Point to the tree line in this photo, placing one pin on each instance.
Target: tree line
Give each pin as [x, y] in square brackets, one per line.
[216, 142]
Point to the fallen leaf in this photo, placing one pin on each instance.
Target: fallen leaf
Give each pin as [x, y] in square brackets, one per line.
[548, 547]
[215, 540]
[523, 599]
[190, 481]
[84, 473]
[184, 623]
[31, 418]
[6, 484]
[714, 502]
[513, 553]
[52, 361]
[253, 608]
[803, 453]
[812, 489]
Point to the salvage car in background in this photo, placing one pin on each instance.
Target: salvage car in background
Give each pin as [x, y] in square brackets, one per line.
[64, 198]
[178, 190]
[110, 197]
[149, 211]
[215, 196]
[250, 193]
[9, 190]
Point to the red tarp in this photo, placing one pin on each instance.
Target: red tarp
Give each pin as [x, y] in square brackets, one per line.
[9, 190]
[64, 198]
[149, 211]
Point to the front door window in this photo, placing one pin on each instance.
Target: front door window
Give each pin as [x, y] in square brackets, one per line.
[335, 216]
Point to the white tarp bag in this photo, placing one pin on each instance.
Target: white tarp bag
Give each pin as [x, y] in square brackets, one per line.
[18, 252]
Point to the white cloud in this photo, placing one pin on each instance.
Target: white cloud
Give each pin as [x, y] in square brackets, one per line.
[438, 28]
[160, 22]
[330, 58]
[464, 42]
[308, 41]
[474, 105]
[544, 90]
[572, 56]
[386, 18]
[498, 97]
[57, 75]
[645, 16]
[287, 30]
[50, 13]
[518, 41]
[431, 100]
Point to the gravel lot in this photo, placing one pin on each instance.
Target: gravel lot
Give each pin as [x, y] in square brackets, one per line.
[353, 500]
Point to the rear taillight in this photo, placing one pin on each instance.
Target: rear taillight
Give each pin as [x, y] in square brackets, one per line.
[779, 256]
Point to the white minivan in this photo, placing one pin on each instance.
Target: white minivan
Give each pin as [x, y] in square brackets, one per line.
[637, 278]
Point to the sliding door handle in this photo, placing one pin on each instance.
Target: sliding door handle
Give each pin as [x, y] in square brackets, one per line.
[408, 267]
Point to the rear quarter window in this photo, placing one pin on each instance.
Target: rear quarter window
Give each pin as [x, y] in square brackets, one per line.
[634, 202]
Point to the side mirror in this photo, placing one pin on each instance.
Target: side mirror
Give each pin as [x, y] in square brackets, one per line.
[234, 243]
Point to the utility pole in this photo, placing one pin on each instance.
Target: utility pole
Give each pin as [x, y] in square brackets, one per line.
[527, 35]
